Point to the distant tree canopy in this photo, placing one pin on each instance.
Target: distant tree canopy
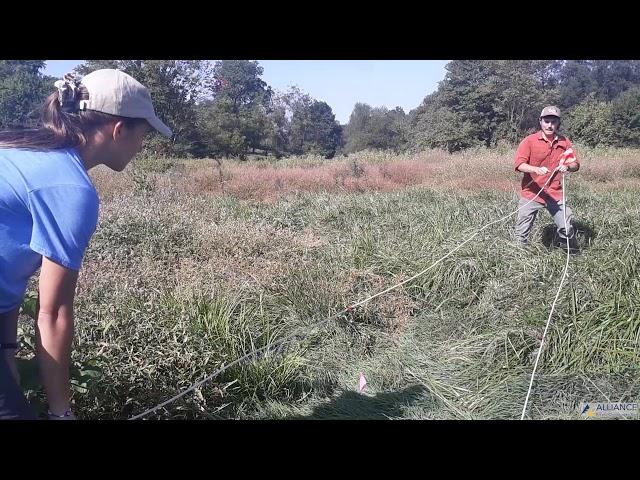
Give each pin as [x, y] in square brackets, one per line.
[484, 102]
[225, 108]
[375, 128]
[314, 129]
[22, 90]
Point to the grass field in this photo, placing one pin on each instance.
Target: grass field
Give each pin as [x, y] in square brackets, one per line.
[194, 264]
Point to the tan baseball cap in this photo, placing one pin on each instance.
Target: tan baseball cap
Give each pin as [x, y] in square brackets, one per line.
[550, 111]
[117, 93]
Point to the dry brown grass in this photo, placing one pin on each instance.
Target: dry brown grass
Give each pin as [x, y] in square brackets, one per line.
[471, 171]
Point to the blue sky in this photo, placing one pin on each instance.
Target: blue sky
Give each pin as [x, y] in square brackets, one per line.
[341, 83]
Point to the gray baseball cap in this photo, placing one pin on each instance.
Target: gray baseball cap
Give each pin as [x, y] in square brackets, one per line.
[550, 111]
[117, 93]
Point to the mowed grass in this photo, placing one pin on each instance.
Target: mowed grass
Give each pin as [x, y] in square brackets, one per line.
[193, 265]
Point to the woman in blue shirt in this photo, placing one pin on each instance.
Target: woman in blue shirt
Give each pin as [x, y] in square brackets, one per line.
[49, 211]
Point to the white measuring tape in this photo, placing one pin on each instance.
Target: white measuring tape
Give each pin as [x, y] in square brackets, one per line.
[553, 306]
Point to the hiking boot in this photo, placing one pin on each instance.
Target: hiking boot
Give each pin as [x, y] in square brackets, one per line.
[574, 247]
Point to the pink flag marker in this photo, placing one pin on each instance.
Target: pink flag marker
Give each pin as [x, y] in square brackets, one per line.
[362, 383]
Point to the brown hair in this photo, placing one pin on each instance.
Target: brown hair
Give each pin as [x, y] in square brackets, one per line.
[61, 129]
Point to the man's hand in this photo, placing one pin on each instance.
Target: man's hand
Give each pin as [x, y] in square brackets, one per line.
[541, 171]
[566, 165]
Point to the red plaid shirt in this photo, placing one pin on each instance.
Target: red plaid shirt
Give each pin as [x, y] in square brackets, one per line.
[537, 151]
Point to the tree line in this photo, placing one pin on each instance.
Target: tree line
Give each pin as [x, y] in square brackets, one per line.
[225, 109]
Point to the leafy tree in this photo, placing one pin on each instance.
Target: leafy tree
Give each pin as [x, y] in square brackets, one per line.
[23, 89]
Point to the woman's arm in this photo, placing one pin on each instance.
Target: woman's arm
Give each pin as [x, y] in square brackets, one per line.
[54, 329]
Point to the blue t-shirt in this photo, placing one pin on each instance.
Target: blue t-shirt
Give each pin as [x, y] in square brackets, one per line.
[48, 206]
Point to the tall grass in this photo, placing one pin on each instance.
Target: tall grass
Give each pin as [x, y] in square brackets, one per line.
[203, 266]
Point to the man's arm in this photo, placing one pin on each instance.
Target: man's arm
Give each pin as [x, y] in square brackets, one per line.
[521, 160]
[526, 168]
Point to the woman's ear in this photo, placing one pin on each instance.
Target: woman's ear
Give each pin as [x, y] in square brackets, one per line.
[117, 129]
